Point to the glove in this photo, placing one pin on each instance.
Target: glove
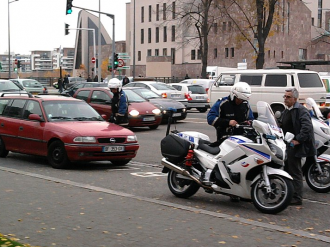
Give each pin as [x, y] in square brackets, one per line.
[112, 119]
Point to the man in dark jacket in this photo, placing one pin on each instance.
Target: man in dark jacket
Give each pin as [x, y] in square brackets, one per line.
[297, 120]
[231, 110]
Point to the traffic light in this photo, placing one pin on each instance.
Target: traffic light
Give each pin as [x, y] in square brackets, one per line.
[68, 6]
[66, 29]
[0, 66]
[16, 61]
[116, 61]
[109, 68]
[18, 64]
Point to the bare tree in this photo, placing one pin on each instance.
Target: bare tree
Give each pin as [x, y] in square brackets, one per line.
[196, 18]
[254, 21]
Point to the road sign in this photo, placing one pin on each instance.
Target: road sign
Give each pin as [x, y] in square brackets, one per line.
[121, 63]
[124, 57]
[124, 67]
[122, 54]
[93, 59]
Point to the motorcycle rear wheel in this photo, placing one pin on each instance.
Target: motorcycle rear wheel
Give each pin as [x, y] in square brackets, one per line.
[181, 187]
[275, 201]
[317, 181]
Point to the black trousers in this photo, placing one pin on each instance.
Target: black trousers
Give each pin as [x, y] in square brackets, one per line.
[293, 167]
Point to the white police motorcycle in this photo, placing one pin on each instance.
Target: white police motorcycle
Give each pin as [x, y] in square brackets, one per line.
[248, 166]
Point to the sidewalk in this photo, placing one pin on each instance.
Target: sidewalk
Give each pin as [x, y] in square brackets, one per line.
[45, 211]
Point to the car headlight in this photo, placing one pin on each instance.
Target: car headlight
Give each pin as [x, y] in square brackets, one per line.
[134, 113]
[156, 111]
[184, 109]
[88, 139]
[131, 138]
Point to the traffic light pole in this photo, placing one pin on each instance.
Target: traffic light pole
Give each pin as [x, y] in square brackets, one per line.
[113, 35]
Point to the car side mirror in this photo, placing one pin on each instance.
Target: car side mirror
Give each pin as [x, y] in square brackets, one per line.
[35, 117]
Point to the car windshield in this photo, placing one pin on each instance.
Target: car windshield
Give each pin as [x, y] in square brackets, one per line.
[133, 97]
[63, 110]
[6, 86]
[147, 94]
[162, 86]
[31, 83]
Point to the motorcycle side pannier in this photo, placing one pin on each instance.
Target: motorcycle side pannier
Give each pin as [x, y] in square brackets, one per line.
[174, 148]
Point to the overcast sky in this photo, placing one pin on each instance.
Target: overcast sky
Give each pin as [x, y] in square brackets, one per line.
[39, 24]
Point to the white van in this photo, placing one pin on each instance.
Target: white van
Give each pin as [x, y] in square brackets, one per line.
[326, 81]
[205, 83]
[269, 86]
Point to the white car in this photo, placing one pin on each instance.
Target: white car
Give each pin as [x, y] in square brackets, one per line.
[30, 85]
[195, 94]
[160, 88]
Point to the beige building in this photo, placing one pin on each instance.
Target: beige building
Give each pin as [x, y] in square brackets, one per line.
[161, 47]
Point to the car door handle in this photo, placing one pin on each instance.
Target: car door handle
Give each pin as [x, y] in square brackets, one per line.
[20, 128]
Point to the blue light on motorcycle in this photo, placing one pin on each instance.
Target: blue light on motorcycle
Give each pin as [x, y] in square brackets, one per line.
[271, 137]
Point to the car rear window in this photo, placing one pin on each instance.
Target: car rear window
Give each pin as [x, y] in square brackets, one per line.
[161, 86]
[309, 80]
[196, 89]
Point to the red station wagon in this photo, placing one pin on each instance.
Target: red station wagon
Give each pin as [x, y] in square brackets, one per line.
[141, 113]
[63, 129]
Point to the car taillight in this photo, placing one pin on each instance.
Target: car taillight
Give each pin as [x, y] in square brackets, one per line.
[164, 95]
[187, 95]
[206, 89]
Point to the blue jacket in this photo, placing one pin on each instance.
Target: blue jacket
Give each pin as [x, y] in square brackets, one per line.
[225, 110]
[120, 105]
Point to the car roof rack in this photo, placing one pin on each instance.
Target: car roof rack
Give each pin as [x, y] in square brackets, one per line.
[17, 93]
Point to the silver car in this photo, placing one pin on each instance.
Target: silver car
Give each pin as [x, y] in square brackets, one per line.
[30, 85]
[160, 88]
[195, 94]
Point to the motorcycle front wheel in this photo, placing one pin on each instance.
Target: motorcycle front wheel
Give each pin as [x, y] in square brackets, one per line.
[318, 181]
[277, 199]
[180, 186]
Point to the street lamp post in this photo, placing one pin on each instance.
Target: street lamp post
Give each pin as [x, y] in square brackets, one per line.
[9, 57]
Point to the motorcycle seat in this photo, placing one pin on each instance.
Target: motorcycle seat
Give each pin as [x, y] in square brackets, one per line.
[208, 147]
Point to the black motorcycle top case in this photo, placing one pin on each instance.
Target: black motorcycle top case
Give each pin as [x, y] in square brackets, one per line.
[174, 148]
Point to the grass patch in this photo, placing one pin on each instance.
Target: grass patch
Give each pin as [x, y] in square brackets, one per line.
[10, 242]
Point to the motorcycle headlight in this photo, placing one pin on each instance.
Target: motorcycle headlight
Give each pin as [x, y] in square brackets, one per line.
[276, 151]
[326, 130]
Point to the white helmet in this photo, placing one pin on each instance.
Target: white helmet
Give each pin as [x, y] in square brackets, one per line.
[115, 83]
[241, 90]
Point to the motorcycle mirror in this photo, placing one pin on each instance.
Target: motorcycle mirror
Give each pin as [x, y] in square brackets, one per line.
[288, 137]
[278, 114]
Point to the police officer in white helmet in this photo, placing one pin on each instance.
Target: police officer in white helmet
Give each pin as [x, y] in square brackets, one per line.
[231, 110]
[119, 102]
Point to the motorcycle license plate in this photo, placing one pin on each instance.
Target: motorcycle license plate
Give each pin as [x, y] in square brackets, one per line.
[109, 149]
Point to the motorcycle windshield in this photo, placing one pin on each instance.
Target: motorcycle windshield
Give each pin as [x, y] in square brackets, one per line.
[313, 109]
[265, 114]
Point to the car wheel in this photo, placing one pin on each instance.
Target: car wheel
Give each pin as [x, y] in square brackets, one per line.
[119, 162]
[153, 127]
[202, 109]
[57, 156]
[3, 151]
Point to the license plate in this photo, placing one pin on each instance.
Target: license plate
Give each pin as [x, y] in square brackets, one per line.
[175, 95]
[149, 119]
[34, 93]
[199, 97]
[176, 114]
[109, 149]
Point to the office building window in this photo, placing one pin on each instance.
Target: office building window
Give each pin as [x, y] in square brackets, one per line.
[173, 55]
[149, 13]
[142, 36]
[229, 26]
[165, 34]
[157, 34]
[193, 54]
[164, 11]
[142, 14]
[173, 33]
[149, 53]
[164, 51]
[302, 54]
[156, 52]
[215, 52]
[215, 28]
[282, 54]
[226, 52]
[139, 55]
[224, 26]
[149, 35]
[232, 52]
[173, 10]
[199, 54]
[157, 12]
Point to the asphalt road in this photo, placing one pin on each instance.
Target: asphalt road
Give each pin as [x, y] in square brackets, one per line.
[143, 181]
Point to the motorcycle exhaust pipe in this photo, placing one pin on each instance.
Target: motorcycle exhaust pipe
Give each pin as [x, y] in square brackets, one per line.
[181, 171]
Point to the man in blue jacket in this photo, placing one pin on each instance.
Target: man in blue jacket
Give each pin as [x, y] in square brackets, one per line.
[119, 102]
[231, 110]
